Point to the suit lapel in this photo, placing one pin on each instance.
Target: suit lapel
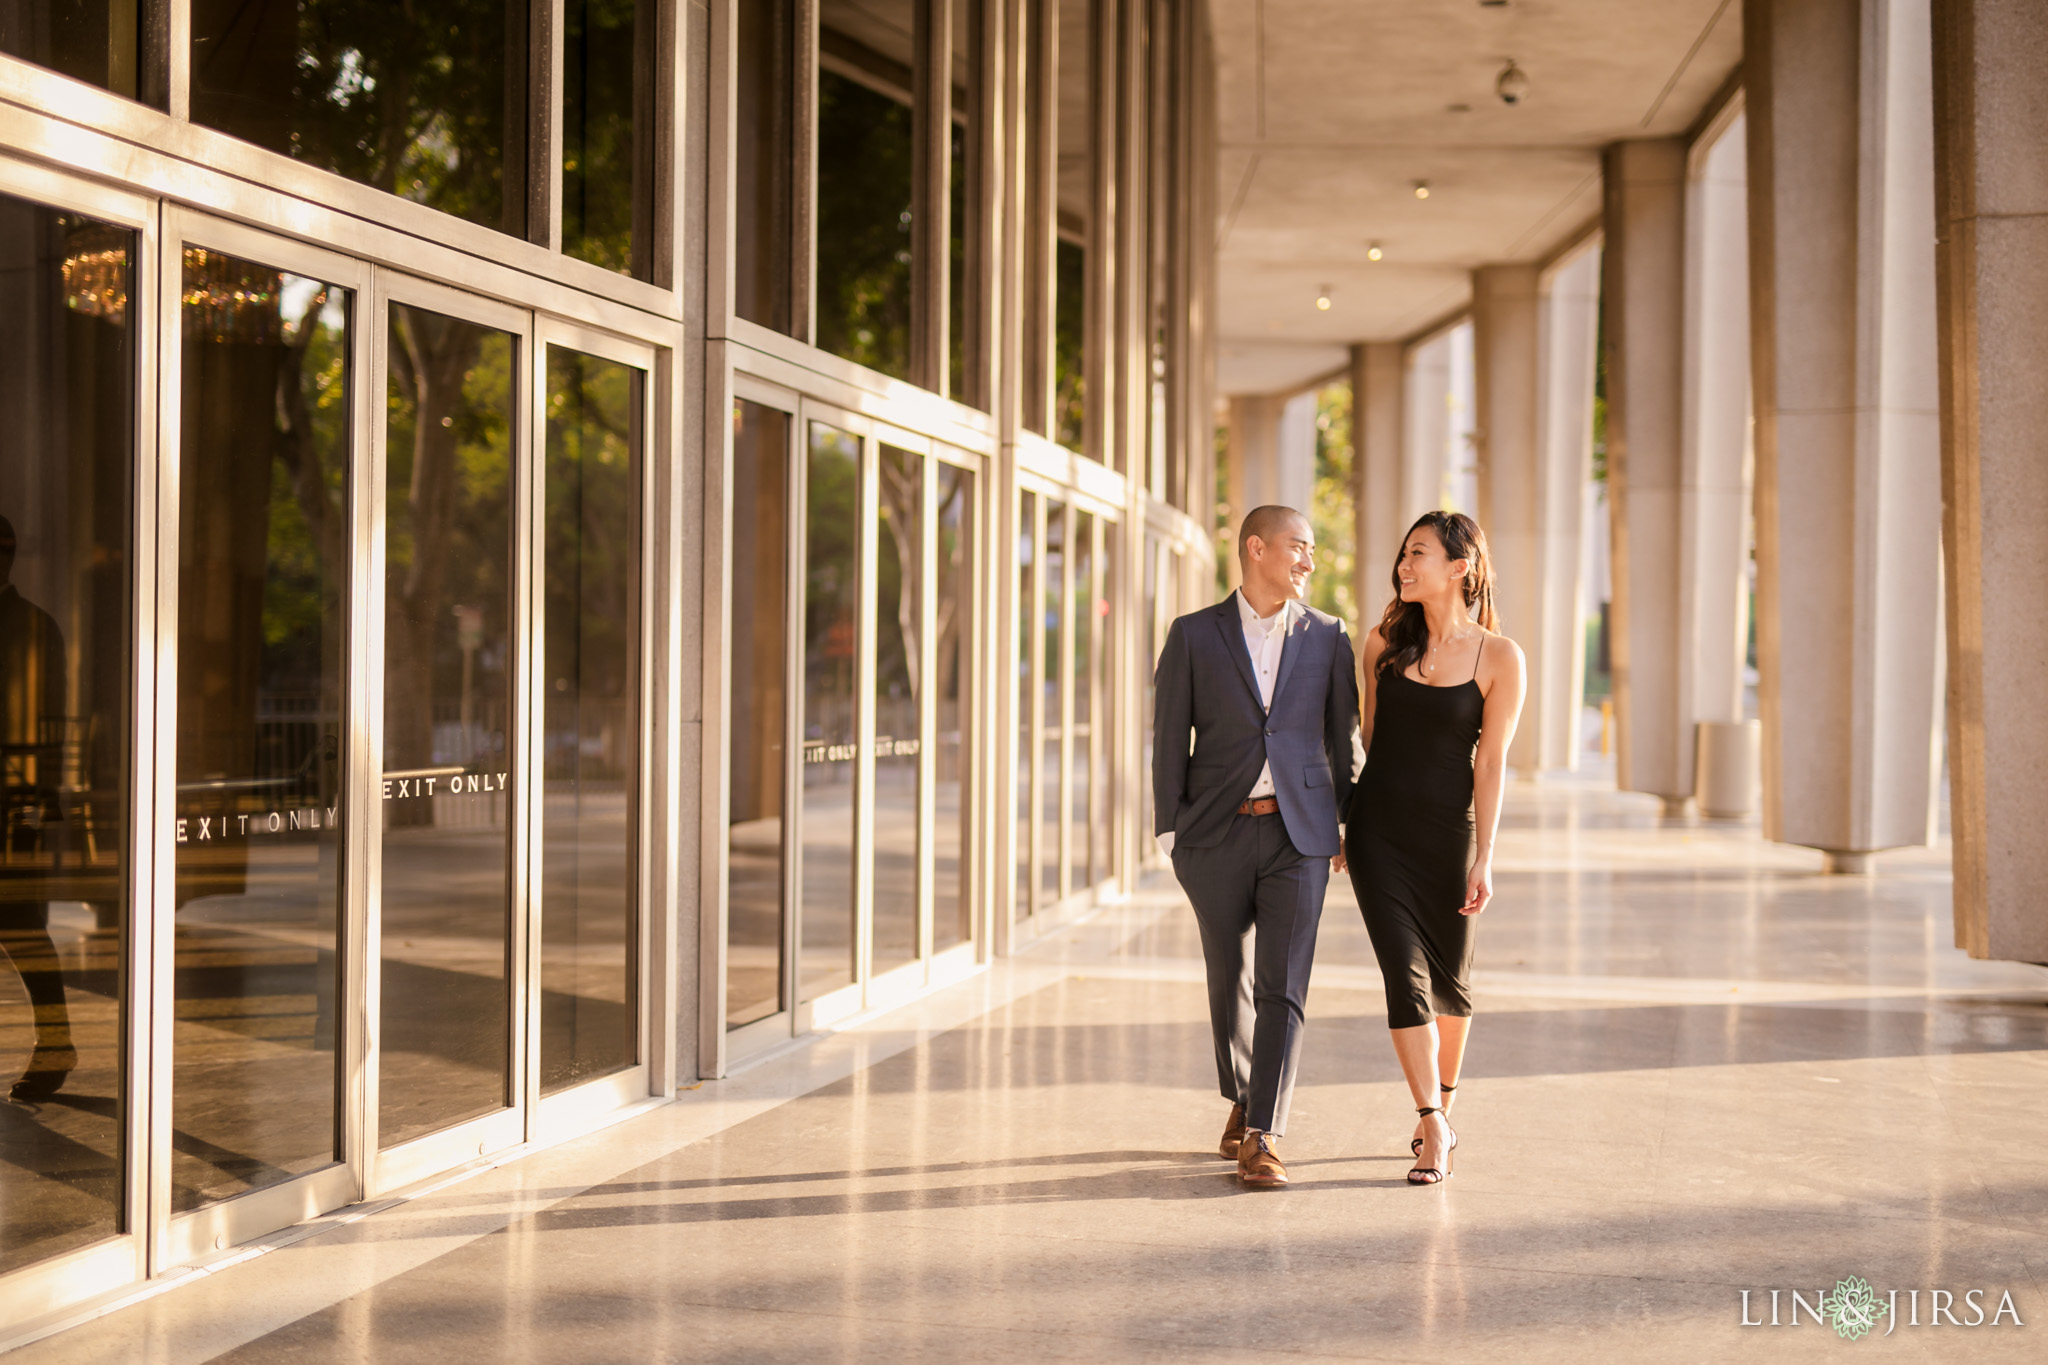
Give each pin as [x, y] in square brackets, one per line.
[1233, 644]
[1290, 650]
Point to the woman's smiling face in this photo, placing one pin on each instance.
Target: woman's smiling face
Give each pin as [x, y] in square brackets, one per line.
[1424, 572]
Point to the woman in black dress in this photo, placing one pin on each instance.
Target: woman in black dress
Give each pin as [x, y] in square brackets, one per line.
[1440, 697]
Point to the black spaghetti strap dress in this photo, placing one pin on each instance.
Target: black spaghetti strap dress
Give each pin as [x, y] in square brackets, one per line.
[1408, 839]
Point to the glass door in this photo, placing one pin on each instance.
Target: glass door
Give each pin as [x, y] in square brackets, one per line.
[263, 359]
[78, 400]
[585, 1002]
[451, 482]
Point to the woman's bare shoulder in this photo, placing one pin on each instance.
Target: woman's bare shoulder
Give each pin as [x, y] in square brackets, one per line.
[1497, 652]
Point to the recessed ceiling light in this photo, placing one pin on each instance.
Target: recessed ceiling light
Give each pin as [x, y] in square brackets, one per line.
[1323, 298]
[1373, 252]
[1422, 189]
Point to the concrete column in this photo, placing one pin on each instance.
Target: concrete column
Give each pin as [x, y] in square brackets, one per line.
[1378, 391]
[1272, 453]
[1426, 427]
[1643, 303]
[1991, 160]
[1716, 458]
[1567, 359]
[1505, 348]
[1848, 485]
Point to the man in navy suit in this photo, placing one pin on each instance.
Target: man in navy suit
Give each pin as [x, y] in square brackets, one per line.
[1267, 688]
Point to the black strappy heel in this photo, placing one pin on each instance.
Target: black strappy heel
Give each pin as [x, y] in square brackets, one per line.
[1415, 1144]
[1431, 1175]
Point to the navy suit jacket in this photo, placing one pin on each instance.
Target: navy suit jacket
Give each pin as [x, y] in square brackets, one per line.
[1204, 685]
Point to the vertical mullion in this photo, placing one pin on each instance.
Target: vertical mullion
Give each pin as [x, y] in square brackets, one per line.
[152, 763]
[524, 940]
[357, 996]
[931, 130]
[803, 195]
[372, 531]
[545, 30]
[173, 20]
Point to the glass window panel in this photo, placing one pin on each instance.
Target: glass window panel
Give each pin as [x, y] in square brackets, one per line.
[67, 462]
[1024, 740]
[1074, 199]
[899, 694]
[953, 689]
[263, 536]
[1100, 714]
[963, 294]
[831, 740]
[758, 709]
[589, 958]
[1052, 679]
[1070, 381]
[95, 41]
[425, 100]
[1080, 761]
[448, 671]
[763, 106]
[608, 134]
[864, 182]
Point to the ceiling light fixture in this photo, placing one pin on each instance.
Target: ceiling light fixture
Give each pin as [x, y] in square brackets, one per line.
[1422, 189]
[1323, 298]
[1511, 84]
[1373, 252]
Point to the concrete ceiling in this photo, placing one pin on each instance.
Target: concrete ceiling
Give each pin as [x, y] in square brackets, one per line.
[1329, 111]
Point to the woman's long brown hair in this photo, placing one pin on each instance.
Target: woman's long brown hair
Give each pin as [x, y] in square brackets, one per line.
[1403, 626]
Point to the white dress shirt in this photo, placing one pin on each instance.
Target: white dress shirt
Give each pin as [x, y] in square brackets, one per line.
[1265, 637]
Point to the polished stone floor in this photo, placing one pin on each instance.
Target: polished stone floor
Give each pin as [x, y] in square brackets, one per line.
[1700, 1067]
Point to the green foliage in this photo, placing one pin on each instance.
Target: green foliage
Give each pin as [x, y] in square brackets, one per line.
[410, 98]
[600, 159]
[1069, 354]
[1330, 512]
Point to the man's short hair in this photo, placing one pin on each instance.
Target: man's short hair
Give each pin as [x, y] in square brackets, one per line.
[1265, 522]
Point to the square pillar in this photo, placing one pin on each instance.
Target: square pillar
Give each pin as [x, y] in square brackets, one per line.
[1844, 365]
[1567, 361]
[1991, 163]
[1381, 515]
[1505, 346]
[1643, 307]
[1715, 473]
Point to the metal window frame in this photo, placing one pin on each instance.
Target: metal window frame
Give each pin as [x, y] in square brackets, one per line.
[568, 1111]
[46, 1289]
[391, 1167]
[183, 1237]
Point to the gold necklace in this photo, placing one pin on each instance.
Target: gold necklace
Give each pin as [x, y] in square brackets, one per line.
[1428, 664]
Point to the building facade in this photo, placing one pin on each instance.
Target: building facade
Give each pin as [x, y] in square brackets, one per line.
[550, 546]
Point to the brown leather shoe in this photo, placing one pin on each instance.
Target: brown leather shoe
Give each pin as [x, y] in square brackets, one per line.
[1258, 1161]
[1233, 1133]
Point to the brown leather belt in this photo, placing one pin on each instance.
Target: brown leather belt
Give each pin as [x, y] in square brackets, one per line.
[1264, 805]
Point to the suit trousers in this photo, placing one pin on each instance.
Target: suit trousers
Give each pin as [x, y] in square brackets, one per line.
[1254, 879]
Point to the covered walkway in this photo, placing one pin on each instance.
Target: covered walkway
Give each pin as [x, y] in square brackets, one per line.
[1702, 1066]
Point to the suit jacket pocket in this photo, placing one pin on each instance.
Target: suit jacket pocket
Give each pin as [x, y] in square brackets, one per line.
[1315, 775]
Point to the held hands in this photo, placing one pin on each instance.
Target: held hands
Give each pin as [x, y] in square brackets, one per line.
[1338, 864]
[1478, 887]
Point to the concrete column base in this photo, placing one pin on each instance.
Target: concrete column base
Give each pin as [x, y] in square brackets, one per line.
[1727, 766]
[1842, 863]
[1677, 807]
